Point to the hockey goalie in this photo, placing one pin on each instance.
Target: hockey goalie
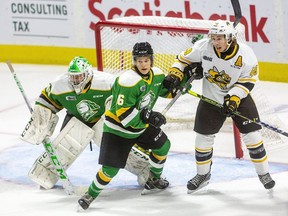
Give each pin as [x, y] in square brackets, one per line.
[85, 94]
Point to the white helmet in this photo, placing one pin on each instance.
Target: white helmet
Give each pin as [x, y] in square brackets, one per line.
[223, 27]
[79, 73]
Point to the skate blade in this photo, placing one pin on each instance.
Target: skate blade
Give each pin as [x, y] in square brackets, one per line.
[152, 191]
[79, 208]
[201, 186]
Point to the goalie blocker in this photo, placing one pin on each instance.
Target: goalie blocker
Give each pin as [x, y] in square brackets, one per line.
[69, 144]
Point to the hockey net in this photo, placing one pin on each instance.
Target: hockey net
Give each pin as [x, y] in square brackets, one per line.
[168, 37]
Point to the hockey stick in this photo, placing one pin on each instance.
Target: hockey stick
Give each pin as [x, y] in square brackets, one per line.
[237, 12]
[19, 85]
[68, 187]
[179, 93]
[212, 102]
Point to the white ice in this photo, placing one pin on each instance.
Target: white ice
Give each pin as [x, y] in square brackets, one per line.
[234, 188]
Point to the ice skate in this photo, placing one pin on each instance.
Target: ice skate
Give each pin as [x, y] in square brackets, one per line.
[154, 184]
[85, 201]
[198, 182]
[267, 181]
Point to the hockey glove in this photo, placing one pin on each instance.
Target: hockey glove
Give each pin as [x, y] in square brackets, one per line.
[194, 69]
[155, 119]
[231, 103]
[196, 38]
[172, 83]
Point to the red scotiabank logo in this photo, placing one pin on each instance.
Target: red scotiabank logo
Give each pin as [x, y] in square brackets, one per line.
[254, 28]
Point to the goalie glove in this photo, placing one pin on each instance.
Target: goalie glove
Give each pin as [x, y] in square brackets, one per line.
[40, 126]
[196, 38]
[230, 105]
[155, 119]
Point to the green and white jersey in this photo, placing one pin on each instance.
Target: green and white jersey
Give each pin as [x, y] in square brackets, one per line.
[132, 93]
[88, 106]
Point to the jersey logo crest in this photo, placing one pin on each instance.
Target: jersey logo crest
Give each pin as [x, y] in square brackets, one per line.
[221, 79]
[147, 100]
[87, 109]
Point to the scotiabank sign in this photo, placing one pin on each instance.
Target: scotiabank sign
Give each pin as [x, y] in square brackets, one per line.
[254, 25]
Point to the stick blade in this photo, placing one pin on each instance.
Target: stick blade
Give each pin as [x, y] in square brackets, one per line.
[237, 12]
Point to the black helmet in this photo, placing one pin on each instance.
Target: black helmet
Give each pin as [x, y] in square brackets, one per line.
[142, 49]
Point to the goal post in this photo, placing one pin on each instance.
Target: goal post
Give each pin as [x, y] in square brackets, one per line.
[168, 37]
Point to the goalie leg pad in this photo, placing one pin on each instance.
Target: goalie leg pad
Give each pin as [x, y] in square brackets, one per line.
[43, 173]
[98, 127]
[98, 130]
[138, 164]
[69, 144]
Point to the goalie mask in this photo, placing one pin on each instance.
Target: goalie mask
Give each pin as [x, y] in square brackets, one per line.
[142, 49]
[79, 73]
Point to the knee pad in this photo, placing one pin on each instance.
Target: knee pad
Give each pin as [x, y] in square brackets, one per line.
[204, 141]
[255, 146]
[252, 139]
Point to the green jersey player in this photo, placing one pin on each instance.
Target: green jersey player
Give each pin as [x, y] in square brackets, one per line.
[84, 94]
[229, 72]
[131, 120]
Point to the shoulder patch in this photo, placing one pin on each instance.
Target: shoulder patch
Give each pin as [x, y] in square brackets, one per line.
[254, 71]
[187, 51]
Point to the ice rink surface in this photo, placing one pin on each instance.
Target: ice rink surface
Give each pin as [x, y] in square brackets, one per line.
[234, 188]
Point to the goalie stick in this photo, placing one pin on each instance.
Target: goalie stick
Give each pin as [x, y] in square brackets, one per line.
[68, 187]
[210, 101]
